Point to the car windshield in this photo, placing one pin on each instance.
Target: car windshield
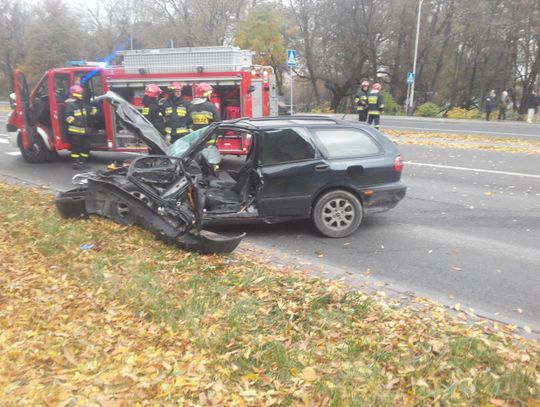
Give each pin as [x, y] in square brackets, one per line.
[180, 146]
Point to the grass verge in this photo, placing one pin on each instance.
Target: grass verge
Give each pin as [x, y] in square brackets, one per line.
[133, 320]
[465, 141]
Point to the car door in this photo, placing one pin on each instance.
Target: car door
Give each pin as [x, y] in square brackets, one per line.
[292, 171]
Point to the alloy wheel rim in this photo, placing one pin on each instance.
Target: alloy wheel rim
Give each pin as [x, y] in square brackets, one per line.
[338, 214]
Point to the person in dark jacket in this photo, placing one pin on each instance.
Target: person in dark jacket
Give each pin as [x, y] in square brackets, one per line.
[201, 111]
[532, 106]
[361, 101]
[76, 114]
[151, 108]
[491, 102]
[375, 105]
[175, 112]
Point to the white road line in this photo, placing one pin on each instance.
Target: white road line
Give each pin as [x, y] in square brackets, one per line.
[4, 141]
[449, 167]
[390, 127]
[14, 153]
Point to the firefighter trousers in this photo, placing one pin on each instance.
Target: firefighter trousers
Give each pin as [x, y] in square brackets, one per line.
[362, 115]
[374, 119]
[80, 146]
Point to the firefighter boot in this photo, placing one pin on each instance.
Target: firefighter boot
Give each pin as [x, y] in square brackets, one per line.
[84, 163]
[76, 164]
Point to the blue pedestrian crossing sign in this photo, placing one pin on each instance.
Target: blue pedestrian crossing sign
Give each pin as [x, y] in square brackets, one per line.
[291, 58]
[410, 77]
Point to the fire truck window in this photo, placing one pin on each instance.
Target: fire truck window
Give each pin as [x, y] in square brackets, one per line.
[286, 145]
[41, 104]
[93, 80]
[43, 90]
[61, 86]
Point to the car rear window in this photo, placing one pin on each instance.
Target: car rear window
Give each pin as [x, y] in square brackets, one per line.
[346, 142]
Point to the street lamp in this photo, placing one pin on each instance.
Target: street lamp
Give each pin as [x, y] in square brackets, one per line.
[411, 100]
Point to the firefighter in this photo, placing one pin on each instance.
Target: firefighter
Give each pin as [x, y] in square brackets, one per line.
[76, 116]
[361, 101]
[175, 111]
[202, 112]
[375, 105]
[151, 108]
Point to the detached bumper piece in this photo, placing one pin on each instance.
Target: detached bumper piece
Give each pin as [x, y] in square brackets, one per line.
[105, 199]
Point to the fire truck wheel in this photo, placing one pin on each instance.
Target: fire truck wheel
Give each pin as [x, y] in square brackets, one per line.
[35, 153]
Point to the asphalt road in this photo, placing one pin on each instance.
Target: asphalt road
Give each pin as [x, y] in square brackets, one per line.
[468, 231]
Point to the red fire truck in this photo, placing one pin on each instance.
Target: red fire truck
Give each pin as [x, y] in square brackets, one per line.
[240, 90]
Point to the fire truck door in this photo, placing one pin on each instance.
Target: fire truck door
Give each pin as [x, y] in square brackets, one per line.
[61, 84]
[24, 110]
[257, 98]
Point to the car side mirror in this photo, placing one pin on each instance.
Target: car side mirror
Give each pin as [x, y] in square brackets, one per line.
[12, 100]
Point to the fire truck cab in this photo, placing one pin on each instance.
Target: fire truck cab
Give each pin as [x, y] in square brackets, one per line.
[240, 90]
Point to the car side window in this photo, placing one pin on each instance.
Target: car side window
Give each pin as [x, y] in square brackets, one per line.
[285, 145]
[346, 142]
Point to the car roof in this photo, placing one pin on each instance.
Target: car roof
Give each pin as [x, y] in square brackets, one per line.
[295, 121]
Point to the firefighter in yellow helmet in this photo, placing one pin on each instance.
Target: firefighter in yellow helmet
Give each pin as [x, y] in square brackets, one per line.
[76, 114]
[361, 100]
[375, 105]
[201, 111]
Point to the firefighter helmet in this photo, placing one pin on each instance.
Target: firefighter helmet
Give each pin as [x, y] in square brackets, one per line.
[175, 86]
[376, 86]
[152, 90]
[76, 91]
[364, 84]
[203, 90]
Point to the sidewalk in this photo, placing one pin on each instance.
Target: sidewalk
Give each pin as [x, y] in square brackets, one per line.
[431, 119]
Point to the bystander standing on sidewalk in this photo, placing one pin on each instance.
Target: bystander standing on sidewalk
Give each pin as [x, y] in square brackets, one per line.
[490, 104]
[532, 106]
[504, 104]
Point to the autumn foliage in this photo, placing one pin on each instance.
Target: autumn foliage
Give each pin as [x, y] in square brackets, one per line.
[128, 319]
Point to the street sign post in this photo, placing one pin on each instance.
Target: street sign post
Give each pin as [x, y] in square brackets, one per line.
[292, 62]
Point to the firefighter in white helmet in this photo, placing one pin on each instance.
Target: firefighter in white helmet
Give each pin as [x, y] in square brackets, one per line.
[361, 100]
[175, 111]
[201, 111]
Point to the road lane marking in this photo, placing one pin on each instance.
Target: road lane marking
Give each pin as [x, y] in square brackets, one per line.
[4, 141]
[14, 153]
[449, 167]
[390, 127]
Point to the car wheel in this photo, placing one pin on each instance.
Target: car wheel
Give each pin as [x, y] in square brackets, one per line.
[337, 214]
[36, 152]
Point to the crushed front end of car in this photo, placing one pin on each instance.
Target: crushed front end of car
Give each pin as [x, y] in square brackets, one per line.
[156, 192]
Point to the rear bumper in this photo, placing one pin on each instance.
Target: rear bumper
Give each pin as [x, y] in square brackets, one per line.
[380, 198]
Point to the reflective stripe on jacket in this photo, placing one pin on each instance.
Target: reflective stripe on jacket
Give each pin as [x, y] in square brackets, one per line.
[361, 101]
[375, 103]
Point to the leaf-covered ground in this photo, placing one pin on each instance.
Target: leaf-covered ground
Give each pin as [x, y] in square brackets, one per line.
[465, 141]
[133, 320]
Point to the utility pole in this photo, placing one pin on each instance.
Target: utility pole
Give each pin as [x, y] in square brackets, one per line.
[411, 101]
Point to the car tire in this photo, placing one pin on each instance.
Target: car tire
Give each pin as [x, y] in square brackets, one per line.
[35, 153]
[337, 214]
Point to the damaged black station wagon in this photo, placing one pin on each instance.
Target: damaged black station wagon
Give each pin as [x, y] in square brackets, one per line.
[298, 167]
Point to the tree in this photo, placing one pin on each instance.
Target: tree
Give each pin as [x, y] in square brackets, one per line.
[264, 31]
[12, 17]
[51, 38]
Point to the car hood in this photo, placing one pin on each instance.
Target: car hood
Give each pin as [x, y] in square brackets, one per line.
[136, 122]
